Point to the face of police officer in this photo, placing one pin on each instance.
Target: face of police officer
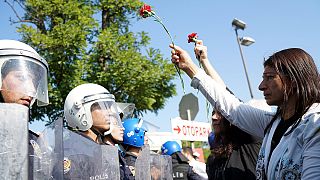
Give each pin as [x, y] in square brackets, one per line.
[117, 132]
[13, 86]
[100, 119]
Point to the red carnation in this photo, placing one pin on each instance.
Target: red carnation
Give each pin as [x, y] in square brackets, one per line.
[145, 11]
[192, 37]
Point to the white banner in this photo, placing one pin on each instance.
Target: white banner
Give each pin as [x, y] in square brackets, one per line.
[190, 130]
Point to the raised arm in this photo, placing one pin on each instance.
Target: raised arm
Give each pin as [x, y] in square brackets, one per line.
[248, 118]
[201, 51]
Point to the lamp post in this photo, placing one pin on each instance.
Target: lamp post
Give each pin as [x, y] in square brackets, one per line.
[245, 41]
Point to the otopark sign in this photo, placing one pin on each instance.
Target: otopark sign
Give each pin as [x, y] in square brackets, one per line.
[190, 130]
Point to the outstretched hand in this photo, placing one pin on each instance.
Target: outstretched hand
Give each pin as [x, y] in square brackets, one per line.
[183, 60]
[201, 51]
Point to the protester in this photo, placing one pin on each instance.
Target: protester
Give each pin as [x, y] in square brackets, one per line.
[234, 152]
[180, 166]
[291, 144]
[196, 155]
[199, 167]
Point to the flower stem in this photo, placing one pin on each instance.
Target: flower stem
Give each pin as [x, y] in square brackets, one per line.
[158, 19]
[182, 83]
[164, 27]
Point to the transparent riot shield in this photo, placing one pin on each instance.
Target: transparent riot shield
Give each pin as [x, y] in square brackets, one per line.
[48, 153]
[85, 159]
[13, 141]
[126, 109]
[160, 167]
[142, 165]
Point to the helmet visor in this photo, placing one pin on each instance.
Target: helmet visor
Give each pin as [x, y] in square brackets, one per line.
[105, 113]
[26, 76]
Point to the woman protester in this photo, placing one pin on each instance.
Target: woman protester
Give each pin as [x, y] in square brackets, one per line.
[291, 136]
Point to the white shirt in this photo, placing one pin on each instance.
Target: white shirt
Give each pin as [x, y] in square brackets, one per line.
[199, 168]
[297, 155]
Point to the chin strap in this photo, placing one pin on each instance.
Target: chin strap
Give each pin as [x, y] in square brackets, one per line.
[99, 135]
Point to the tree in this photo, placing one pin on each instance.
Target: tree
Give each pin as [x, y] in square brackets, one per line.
[90, 41]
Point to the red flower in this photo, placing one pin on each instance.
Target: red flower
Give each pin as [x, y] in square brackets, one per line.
[192, 37]
[145, 11]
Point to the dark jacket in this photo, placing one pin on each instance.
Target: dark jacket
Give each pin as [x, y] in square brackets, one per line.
[240, 163]
[125, 173]
[131, 161]
[31, 152]
[181, 168]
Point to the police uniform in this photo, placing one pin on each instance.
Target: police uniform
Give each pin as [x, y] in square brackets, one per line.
[33, 149]
[181, 168]
[81, 163]
[130, 159]
[125, 172]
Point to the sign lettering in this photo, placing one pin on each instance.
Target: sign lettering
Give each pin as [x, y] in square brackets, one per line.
[190, 130]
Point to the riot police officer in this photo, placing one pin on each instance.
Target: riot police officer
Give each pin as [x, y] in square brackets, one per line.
[115, 137]
[92, 112]
[23, 81]
[23, 74]
[133, 140]
[180, 166]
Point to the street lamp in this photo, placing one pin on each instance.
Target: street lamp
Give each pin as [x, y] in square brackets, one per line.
[245, 41]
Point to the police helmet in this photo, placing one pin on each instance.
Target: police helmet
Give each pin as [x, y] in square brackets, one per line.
[83, 100]
[133, 132]
[170, 147]
[29, 69]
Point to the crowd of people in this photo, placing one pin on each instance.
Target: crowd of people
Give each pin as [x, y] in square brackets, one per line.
[248, 141]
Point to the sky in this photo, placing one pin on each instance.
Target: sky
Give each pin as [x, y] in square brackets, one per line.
[273, 24]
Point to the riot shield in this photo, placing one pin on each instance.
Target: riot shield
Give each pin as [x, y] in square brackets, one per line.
[126, 109]
[13, 141]
[85, 159]
[142, 165]
[160, 167]
[48, 153]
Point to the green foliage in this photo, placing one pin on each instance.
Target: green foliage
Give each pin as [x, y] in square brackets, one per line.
[89, 41]
[198, 144]
[206, 153]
